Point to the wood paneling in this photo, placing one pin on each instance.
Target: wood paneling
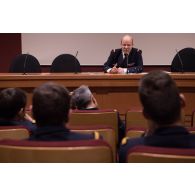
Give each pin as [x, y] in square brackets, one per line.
[10, 46]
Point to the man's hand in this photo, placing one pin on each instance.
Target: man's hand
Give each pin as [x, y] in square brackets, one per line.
[121, 70]
[114, 70]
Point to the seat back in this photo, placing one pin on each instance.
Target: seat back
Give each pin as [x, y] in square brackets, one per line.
[135, 118]
[106, 133]
[65, 63]
[184, 61]
[25, 63]
[134, 132]
[148, 154]
[191, 130]
[107, 118]
[87, 151]
[13, 132]
[193, 119]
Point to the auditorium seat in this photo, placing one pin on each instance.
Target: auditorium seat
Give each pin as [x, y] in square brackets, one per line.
[25, 63]
[65, 63]
[149, 154]
[105, 132]
[193, 119]
[87, 151]
[135, 118]
[106, 117]
[13, 132]
[134, 132]
[191, 129]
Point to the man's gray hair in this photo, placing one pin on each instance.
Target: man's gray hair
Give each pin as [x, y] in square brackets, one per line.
[81, 97]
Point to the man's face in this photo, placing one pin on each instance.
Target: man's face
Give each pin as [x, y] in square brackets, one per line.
[127, 44]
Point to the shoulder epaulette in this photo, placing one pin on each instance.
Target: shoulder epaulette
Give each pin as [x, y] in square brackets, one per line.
[139, 51]
[96, 135]
[124, 141]
[113, 51]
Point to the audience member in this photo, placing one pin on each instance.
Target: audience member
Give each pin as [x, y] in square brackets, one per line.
[162, 107]
[83, 99]
[51, 104]
[125, 60]
[12, 109]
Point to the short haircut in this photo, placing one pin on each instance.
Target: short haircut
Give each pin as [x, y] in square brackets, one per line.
[160, 98]
[12, 100]
[51, 104]
[81, 97]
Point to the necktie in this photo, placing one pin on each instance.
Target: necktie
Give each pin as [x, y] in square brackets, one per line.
[126, 60]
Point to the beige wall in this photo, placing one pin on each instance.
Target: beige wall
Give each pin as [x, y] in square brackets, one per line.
[94, 48]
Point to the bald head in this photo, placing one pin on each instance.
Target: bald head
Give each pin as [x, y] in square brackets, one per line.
[127, 43]
[126, 38]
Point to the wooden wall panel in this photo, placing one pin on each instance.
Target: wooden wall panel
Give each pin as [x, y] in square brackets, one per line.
[10, 46]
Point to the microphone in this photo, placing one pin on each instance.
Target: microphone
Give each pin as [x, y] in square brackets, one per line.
[126, 56]
[180, 60]
[75, 61]
[24, 66]
[76, 54]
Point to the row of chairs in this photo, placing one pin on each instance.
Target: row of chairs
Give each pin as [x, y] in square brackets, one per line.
[26, 63]
[136, 126]
[98, 151]
[86, 151]
[14, 147]
[104, 122]
[149, 154]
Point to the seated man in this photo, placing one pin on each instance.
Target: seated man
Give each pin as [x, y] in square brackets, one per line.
[12, 109]
[83, 99]
[162, 107]
[125, 60]
[51, 105]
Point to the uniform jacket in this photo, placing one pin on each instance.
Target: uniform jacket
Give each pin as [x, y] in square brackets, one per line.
[27, 124]
[135, 61]
[57, 133]
[172, 137]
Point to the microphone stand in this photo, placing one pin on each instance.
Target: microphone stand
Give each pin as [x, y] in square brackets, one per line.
[126, 55]
[75, 68]
[24, 68]
[180, 61]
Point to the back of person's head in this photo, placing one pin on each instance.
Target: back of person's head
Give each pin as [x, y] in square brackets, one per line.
[81, 97]
[160, 98]
[51, 104]
[12, 100]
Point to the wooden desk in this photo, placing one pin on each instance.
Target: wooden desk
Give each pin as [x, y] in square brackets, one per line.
[111, 91]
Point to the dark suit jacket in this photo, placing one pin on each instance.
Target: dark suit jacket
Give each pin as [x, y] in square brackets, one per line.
[58, 133]
[173, 137]
[135, 61]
